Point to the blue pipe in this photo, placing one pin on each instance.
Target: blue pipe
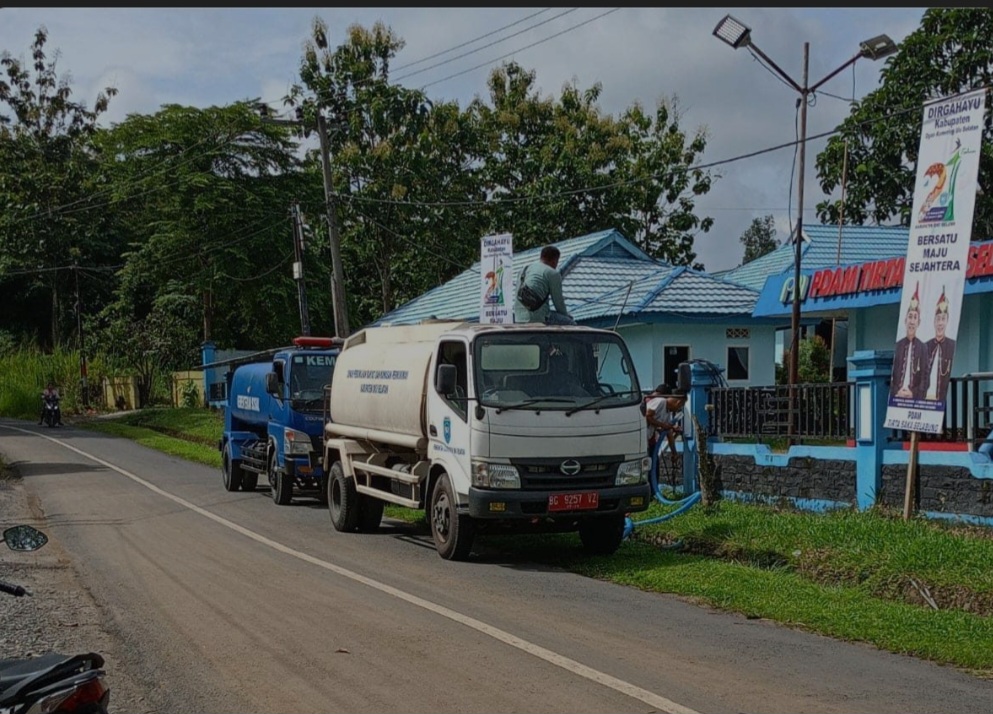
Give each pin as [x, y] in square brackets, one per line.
[683, 504]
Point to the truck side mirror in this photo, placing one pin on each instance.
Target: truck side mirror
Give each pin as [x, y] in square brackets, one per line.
[272, 384]
[446, 379]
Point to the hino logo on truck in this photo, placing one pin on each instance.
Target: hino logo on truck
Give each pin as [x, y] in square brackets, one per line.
[570, 467]
[249, 403]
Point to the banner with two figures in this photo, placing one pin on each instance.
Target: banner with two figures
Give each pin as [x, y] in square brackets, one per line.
[937, 258]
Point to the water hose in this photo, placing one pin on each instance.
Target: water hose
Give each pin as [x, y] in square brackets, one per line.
[682, 505]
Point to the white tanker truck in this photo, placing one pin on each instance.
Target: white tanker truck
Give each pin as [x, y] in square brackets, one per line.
[523, 427]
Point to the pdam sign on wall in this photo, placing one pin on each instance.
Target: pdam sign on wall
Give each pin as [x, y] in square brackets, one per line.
[937, 259]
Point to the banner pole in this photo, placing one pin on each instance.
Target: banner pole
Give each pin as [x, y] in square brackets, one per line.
[908, 496]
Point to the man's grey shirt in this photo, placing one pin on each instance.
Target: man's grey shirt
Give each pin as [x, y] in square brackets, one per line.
[545, 280]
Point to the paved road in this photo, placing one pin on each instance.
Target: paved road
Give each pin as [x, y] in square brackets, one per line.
[229, 603]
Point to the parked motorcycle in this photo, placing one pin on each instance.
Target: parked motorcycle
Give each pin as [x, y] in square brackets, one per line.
[52, 683]
[52, 415]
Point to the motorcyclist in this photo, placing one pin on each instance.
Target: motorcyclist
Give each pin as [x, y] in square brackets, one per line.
[50, 392]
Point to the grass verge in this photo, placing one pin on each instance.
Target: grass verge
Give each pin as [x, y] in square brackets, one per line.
[920, 587]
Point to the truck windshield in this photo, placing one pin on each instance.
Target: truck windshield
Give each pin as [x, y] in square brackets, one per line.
[554, 371]
[308, 375]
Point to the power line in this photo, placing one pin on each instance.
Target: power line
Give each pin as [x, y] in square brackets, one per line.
[490, 44]
[521, 49]
[469, 42]
[617, 184]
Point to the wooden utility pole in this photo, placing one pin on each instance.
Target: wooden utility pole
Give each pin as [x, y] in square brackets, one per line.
[298, 269]
[337, 272]
[338, 304]
[84, 388]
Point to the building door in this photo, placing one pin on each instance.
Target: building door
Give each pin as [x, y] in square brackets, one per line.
[672, 356]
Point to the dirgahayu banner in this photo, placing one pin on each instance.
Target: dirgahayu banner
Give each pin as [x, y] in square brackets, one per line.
[937, 259]
[496, 267]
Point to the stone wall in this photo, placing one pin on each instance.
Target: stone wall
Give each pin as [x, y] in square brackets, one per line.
[803, 478]
[942, 489]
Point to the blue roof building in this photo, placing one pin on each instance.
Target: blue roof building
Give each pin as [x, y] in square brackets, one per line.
[667, 314]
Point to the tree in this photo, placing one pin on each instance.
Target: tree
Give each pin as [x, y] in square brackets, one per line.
[813, 363]
[564, 168]
[49, 190]
[759, 239]
[951, 52]
[396, 159]
[205, 194]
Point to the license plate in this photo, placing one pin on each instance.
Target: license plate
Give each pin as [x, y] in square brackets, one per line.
[573, 501]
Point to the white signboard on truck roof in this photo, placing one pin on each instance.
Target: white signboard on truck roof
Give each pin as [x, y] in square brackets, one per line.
[496, 265]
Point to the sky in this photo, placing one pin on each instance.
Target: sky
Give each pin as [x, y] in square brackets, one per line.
[214, 56]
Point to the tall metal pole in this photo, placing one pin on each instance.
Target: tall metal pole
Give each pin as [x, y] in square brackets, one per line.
[84, 389]
[837, 259]
[298, 270]
[798, 249]
[337, 272]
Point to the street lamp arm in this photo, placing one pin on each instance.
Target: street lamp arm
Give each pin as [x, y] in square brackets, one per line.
[779, 70]
[847, 64]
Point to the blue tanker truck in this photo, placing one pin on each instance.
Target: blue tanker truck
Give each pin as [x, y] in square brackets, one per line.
[274, 419]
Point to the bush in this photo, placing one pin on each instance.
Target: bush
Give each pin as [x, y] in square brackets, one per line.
[27, 369]
[191, 396]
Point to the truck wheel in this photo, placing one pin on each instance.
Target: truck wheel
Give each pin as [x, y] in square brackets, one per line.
[249, 480]
[343, 500]
[602, 536]
[322, 493]
[231, 470]
[370, 513]
[452, 532]
[280, 484]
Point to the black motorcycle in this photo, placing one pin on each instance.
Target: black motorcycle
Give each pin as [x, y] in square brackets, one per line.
[52, 413]
[52, 683]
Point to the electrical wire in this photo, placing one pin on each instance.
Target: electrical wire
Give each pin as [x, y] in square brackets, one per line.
[617, 184]
[490, 44]
[767, 68]
[521, 49]
[475, 39]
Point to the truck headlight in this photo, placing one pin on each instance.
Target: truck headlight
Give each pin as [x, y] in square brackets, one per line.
[296, 442]
[486, 475]
[631, 473]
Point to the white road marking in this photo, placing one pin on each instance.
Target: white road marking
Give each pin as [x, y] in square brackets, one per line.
[656, 701]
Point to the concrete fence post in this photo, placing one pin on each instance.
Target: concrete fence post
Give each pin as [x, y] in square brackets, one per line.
[703, 375]
[871, 370]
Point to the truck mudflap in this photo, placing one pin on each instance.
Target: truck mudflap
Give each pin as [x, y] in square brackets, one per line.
[512, 504]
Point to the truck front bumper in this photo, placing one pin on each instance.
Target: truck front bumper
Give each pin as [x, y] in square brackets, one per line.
[513, 504]
[305, 467]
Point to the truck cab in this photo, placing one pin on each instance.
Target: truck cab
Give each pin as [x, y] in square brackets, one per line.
[274, 420]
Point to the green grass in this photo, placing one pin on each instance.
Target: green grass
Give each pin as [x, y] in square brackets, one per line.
[860, 576]
[192, 445]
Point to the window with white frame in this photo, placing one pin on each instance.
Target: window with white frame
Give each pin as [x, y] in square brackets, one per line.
[737, 363]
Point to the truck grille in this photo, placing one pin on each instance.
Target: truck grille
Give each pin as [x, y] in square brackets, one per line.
[543, 474]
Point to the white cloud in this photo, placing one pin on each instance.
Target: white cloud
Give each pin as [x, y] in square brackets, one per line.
[207, 57]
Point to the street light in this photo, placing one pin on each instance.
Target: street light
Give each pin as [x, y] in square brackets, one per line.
[737, 34]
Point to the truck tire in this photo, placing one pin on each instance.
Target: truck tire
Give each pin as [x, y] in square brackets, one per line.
[602, 536]
[249, 480]
[231, 471]
[370, 513]
[343, 500]
[453, 532]
[280, 484]
[322, 494]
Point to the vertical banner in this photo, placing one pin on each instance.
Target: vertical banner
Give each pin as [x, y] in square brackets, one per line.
[937, 258]
[496, 267]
